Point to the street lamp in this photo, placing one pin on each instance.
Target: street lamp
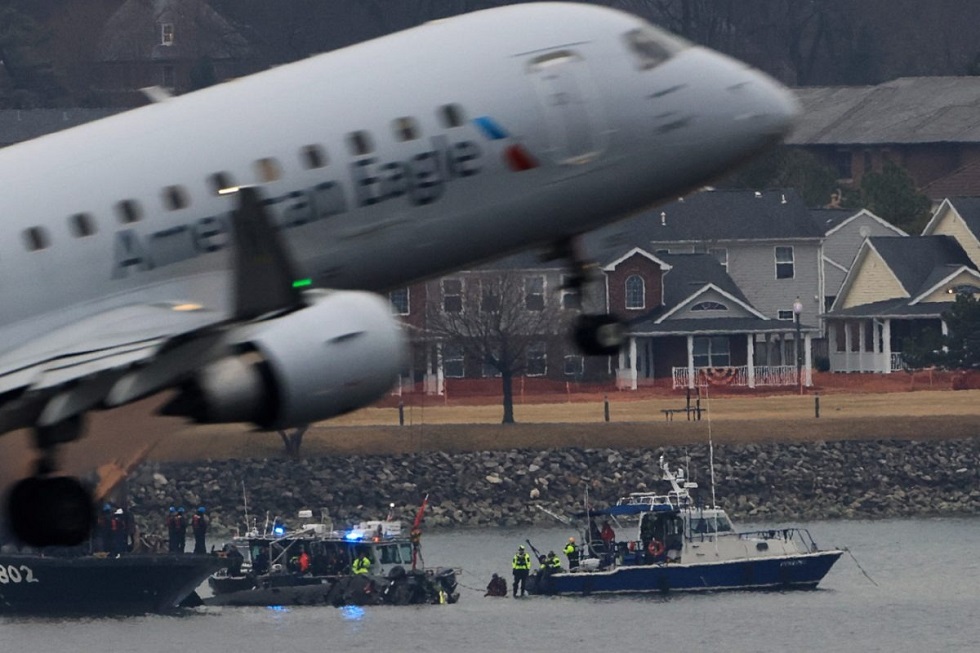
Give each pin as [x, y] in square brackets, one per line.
[797, 309]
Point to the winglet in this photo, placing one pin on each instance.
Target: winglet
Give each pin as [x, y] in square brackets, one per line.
[264, 271]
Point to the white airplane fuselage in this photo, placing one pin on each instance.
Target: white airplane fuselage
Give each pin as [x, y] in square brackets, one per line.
[442, 146]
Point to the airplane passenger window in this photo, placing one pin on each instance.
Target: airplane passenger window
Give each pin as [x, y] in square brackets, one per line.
[451, 115]
[406, 129]
[268, 169]
[129, 211]
[81, 225]
[220, 181]
[36, 239]
[313, 156]
[648, 51]
[360, 143]
[175, 197]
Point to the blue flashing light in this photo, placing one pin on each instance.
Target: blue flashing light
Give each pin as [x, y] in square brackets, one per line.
[351, 536]
[279, 531]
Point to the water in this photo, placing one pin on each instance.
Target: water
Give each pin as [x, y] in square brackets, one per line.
[927, 598]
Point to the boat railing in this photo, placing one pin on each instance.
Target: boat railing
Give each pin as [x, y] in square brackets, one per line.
[801, 536]
[673, 499]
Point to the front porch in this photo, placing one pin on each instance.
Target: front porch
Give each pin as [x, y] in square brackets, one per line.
[873, 344]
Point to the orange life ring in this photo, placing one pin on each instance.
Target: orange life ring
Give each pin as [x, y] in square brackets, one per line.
[655, 548]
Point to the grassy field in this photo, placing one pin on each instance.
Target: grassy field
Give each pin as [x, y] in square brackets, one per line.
[901, 415]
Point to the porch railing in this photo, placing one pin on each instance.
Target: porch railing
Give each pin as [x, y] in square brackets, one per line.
[765, 375]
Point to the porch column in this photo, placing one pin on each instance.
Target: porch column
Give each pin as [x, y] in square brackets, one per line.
[807, 360]
[440, 372]
[847, 347]
[886, 341]
[879, 365]
[633, 368]
[750, 358]
[944, 329]
[620, 369]
[782, 349]
[690, 362]
[832, 343]
[862, 334]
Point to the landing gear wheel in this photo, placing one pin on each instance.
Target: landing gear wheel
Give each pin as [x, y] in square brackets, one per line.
[50, 511]
[599, 335]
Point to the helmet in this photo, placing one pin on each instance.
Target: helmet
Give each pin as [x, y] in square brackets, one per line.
[172, 509]
[520, 547]
[181, 509]
[200, 509]
[551, 554]
[119, 511]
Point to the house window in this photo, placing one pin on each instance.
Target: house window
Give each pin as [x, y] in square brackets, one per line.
[168, 77]
[709, 306]
[451, 115]
[489, 298]
[534, 293]
[452, 362]
[574, 365]
[399, 301]
[570, 297]
[845, 164]
[490, 371]
[635, 292]
[720, 253]
[36, 239]
[166, 33]
[712, 352]
[537, 359]
[452, 295]
[81, 225]
[785, 315]
[785, 268]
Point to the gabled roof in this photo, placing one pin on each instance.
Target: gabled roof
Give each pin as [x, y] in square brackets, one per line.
[833, 219]
[919, 261]
[906, 110]
[636, 251]
[968, 208]
[717, 216]
[690, 273]
[892, 309]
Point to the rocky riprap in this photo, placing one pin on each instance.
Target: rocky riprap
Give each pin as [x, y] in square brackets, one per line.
[754, 482]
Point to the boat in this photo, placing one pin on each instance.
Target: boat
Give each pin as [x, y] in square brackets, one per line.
[130, 583]
[267, 568]
[675, 544]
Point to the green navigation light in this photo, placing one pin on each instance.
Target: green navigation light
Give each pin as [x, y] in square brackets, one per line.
[302, 283]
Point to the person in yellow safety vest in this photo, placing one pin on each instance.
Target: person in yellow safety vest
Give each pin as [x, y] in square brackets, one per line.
[571, 552]
[554, 562]
[522, 567]
[361, 564]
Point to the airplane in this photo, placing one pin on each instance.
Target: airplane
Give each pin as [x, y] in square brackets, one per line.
[229, 245]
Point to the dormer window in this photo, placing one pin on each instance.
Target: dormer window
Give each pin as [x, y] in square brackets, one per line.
[166, 33]
[635, 292]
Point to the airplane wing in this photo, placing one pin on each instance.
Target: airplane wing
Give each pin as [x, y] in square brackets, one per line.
[128, 352]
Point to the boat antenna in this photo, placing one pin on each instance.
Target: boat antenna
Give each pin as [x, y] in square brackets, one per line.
[711, 446]
[245, 503]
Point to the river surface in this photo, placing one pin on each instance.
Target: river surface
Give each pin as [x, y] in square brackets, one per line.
[923, 595]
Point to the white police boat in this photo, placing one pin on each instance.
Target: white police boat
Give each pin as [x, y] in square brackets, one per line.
[676, 545]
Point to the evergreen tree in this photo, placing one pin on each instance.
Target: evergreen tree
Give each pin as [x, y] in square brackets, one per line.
[962, 339]
[892, 195]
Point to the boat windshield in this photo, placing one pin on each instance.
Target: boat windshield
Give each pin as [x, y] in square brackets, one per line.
[710, 524]
[388, 553]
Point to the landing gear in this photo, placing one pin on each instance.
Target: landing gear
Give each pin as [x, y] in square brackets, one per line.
[48, 509]
[595, 333]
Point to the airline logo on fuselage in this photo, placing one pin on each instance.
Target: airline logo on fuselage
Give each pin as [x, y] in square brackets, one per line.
[420, 179]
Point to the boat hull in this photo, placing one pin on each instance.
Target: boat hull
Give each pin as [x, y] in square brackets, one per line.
[802, 571]
[128, 584]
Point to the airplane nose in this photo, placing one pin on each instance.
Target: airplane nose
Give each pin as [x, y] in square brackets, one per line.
[770, 108]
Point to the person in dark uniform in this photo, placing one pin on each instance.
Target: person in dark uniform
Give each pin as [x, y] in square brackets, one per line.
[522, 568]
[199, 526]
[361, 564]
[118, 533]
[172, 529]
[180, 524]
[261, 563]
[496, 587]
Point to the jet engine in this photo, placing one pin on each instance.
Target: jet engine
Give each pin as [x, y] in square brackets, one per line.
[338, 354]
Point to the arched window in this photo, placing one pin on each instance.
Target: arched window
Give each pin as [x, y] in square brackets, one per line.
[635, 292]
[709, 306]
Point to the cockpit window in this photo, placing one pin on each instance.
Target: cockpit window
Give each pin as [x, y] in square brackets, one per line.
[652, 47]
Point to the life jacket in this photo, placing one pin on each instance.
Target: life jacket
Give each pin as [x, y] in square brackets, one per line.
[571, 550]
[362, 565]
[522, 562]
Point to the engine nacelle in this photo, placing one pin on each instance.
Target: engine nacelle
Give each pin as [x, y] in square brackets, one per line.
[337, 355]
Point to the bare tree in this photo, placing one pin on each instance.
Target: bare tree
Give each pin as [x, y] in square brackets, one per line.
[502, 320]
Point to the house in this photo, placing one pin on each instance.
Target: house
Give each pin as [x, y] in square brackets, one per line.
[958, 217]
[178, 45]
[17, 125]
[844, 231]
[896, 289]
[926, 125]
